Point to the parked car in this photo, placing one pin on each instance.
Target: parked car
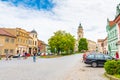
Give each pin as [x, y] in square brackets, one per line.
[15, 56]
[97, 59]
[38, 54]
[28, 54]
[44, 54]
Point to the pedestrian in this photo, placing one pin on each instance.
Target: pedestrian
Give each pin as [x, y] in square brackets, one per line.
[24, 54]
[6, 55]
[18, 54]
[107, 52]
[84, 57]
[10, 56]
[0, 54]
[34, 56]
[117, 55]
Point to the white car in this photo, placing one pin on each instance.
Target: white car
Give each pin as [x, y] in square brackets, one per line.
[44, 54]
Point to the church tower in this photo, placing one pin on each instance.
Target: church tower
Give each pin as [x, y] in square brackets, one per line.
[117, 10]
[80, 32]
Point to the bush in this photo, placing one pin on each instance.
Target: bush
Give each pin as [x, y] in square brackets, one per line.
[118, 66]
[112, 67]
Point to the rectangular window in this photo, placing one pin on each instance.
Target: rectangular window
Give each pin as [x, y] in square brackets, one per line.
[33, 35]
[21, 40]
[35, 42]
[26, 42]
[29, 42]
[18, 39]
[6, 39]
[11, 50]
[12, 40]
[5, 50]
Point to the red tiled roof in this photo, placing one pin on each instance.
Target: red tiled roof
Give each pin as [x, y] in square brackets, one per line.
[100, 40]
[117, 19]
[5, 33]
[105, 39]
[111, 23]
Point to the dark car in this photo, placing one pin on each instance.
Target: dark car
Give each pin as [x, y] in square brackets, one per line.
[97, 59]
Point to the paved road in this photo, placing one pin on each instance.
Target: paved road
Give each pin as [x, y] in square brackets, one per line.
[63, 68]
[86, 72]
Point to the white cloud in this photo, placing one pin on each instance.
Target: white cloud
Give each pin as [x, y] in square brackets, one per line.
[66, 16]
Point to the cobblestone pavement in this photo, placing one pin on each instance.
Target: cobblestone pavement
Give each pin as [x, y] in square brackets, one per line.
[85, 72]
[42, 69]
[63, 68]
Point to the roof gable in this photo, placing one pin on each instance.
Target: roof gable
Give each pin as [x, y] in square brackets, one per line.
[5, 33]
[111, 23]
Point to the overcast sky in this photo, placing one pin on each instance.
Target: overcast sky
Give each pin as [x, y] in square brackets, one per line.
[49, 16]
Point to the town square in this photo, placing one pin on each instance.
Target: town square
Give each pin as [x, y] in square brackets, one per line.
[60, 40]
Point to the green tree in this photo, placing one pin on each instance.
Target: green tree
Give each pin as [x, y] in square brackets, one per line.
[61, 42]
[83, 45]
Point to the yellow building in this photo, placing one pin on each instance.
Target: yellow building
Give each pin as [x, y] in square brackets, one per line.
[91, 45]
[80, 34]
[102, 45]
[30, 44]
[25, 41]
[7, 43]
[22, 37]
[33, 35]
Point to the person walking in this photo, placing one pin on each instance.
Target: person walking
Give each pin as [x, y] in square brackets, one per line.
[84, 57]
[24, 54]
[117, 55]
[18, 54]
[6, 55]
[34, 56]
[0, 54]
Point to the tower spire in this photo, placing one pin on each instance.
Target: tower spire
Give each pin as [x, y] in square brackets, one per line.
[118, 10]
[80, 32]
[80, 26]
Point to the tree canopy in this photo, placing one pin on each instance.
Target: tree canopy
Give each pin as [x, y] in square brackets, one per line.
[61, 42]
[83, 45]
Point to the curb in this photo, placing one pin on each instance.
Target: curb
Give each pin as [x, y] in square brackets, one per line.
[111, 77]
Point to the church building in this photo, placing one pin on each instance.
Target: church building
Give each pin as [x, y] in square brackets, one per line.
[80, 34]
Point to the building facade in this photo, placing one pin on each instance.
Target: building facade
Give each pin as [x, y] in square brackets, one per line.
[33, 34]
[7, 43]
[117, 21]
[105, 46]
[22, 37]
[113, 32]
[102, 45]
[91, 45]
[112, 37]
[41, 46]
[80, 34]
[23, 40]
